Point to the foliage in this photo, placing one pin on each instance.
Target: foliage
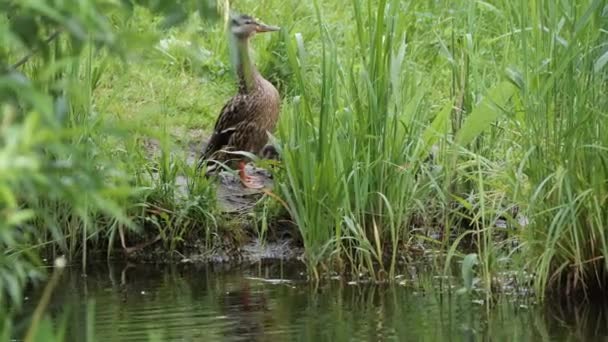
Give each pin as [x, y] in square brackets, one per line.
[60, 182]
[521, 82]
[351, 183]
[563, 116]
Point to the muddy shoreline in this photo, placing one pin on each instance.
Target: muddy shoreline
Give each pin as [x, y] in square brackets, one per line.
[235, 204]
[238, 241]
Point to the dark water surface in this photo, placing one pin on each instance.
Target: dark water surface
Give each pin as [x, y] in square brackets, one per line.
[273, 302]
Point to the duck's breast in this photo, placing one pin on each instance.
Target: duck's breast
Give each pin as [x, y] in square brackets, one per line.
[268, 107]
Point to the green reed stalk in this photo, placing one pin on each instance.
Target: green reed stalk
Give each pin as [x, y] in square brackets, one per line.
[564, 114]
[348, 187]
[45, 299]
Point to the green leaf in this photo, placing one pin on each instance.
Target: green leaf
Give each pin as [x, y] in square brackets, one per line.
[27, 29]
[468, 272]
[207, 9]
[438, 128]
[601, 62]
[486, 113]
[18, 217]
[13, 288]
[176, 15]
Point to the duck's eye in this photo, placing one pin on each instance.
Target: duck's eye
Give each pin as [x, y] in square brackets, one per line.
[248, 22]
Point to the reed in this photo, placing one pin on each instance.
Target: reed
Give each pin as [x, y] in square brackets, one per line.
[520, 130]
[353, 158]
[561, 74]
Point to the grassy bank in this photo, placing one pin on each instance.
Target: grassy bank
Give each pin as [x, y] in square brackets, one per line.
[406, 127]
[510, 95]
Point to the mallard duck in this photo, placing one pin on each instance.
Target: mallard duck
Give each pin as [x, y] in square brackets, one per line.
[246, 119]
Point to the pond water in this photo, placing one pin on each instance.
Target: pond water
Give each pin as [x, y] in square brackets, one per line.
[273, 302]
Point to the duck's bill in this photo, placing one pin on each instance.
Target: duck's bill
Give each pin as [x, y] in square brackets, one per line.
[267, 28]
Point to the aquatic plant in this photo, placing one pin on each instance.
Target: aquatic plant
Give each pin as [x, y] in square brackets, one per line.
[561, 75]
[356, 159]
[509, 91]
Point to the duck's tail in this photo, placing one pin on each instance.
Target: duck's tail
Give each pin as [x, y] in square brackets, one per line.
[206, 157]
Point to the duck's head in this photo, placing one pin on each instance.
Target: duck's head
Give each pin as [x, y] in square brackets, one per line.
[243, 26]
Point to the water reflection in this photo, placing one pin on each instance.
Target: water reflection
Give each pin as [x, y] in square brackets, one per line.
[223, 303]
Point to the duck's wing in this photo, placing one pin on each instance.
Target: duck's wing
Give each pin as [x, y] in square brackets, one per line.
[233, 113]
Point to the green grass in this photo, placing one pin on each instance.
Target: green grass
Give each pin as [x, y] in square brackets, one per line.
[564, 117]
[525, 119]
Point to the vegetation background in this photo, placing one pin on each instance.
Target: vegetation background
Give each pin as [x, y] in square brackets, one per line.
[406, 126]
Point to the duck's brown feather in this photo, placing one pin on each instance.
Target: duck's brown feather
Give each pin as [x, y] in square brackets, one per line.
[244, 122]
[225, 126]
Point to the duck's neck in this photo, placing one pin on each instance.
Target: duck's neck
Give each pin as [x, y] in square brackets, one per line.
[245, 68]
